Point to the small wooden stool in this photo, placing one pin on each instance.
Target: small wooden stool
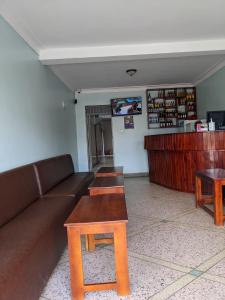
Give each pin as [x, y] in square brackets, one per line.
[103, 186]
[109, 172]
[103, 214]
[107, 185]
[217, 177]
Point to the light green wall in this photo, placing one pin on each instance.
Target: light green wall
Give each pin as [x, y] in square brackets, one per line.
[211, 94]
[128, 144]
[33, 124]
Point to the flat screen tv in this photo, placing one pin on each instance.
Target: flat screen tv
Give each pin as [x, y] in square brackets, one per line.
[126, 106]
[218, 117]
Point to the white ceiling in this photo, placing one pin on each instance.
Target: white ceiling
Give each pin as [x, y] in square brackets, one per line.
[91, 43]
[150, 72]
[75, 23]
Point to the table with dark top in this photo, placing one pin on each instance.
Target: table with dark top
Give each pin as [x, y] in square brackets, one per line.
[109, 172]
[98, 214]
[107, 185]
[217, 178]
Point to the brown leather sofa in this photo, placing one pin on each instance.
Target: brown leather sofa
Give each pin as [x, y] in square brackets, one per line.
[56, 177]
[35, 200]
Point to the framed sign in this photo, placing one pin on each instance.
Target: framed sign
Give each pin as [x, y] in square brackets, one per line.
[129, 122]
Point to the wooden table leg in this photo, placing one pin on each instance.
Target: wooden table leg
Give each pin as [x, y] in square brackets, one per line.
[218, 204]
[76, 266]
[198, 191]
[121, 260]
[90, 242]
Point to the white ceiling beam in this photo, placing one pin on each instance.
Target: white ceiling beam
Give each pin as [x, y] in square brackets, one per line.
[53, 56]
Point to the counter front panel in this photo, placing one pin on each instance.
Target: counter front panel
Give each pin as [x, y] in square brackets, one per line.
[174, 158]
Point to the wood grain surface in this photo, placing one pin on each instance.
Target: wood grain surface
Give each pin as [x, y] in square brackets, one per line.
[174, 158]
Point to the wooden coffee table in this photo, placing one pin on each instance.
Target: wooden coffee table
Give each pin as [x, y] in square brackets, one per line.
[217, 177]
[107, 185]
[109, 172]
[103, 214]
[103, 186]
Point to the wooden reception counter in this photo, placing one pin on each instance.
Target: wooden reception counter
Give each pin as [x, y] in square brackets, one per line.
[174, 158]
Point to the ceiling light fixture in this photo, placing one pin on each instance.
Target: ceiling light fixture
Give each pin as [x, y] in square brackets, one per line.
[131, 72]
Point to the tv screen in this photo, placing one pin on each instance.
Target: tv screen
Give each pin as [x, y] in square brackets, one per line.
[218, 117]
[126, 106]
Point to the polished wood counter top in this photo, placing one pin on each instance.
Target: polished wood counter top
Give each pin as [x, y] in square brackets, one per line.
[214, 140]
[99, 209]
[174, 158]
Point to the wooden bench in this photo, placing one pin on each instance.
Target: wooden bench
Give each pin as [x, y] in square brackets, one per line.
[102, 214]
[217, 178]
[107, 185]
[109, 172]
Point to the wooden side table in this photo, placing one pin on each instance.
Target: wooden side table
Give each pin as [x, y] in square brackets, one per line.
[103, 186]
[109, 172]
[217, 177]
[107, 185]
[103, 215]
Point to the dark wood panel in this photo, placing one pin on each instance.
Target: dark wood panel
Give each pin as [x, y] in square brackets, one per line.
[186, 141]
[174, 158]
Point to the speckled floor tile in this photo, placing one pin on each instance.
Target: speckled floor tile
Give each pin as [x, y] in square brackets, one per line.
[218, 269]
[161, 262]
[201, 289]
[137, 224]
[146, 278]
[159, 208]
[178, 244]
[173, 288]
[212, 261]
[213, 278]
[197, 217]
[169, 242]
[149, 200]
[140, 188]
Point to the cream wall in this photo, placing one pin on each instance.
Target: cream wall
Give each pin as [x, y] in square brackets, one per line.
[211, 94]
[33, 124]
[128, 144]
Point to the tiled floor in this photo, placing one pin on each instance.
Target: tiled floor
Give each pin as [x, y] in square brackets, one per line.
[106, 161]
[175, 251]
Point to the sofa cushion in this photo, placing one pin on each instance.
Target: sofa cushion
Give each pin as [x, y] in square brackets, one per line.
[75, 185]
[52, 171]
[37, 227]
[18, 189]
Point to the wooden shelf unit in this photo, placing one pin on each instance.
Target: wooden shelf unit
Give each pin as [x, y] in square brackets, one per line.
[168, 107]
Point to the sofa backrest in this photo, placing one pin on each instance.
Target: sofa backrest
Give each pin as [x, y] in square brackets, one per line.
[52, 171]
[18, 189]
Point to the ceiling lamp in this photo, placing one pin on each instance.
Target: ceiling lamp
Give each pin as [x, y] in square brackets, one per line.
[131, 72]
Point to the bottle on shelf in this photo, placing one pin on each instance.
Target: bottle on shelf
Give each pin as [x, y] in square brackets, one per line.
[172, 106]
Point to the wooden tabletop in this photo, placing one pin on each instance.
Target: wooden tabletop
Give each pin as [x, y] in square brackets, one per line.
[110, 170]
[214, 174]
[99, 209]
[107, 182]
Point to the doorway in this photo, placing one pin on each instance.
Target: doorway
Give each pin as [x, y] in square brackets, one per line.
[99, 136]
